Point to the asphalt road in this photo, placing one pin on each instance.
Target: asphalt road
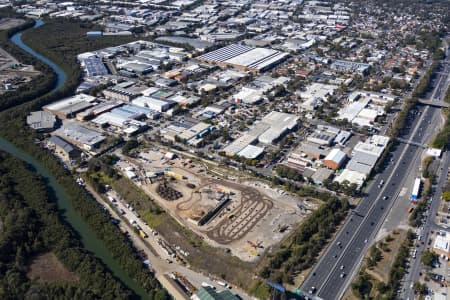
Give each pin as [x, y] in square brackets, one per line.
[425, 232]
[430, 222]
[341, 260]
[157, 256]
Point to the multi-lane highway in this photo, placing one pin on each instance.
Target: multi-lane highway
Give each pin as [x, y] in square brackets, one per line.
[335, 268]
[438, 94]
[425, 233]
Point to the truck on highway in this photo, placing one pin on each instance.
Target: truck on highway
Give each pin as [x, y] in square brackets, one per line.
[416, 190]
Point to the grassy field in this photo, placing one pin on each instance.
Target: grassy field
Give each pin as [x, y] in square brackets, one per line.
[389, 248]
[47, 268]
[381, 270]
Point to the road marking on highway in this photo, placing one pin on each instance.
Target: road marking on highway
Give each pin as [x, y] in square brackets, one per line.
[403, 192]
[395, 169]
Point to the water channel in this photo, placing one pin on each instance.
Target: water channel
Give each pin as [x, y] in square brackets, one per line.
[89, 239]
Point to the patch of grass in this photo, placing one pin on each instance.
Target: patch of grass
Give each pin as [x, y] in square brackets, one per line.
[260, 290]
[135, 196]
[202, 256]
[47, 268]
[102, 177]
[393, 243]
[152, 219]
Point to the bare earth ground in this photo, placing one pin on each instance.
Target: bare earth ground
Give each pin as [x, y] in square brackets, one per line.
[8, 23]
[11, 71]
[256, 218]
[47, 268]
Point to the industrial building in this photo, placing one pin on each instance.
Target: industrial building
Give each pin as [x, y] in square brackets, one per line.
[315, 94]
[321, 175]
[64, 149]
[323, 135]
[248, 96]
[270, 129]
[298, 160]
[120, 93]
[208, 293]
[94, 66]
[69, 107]
[137, 68]
[81, 137]
[251, 152]
[363, 108]
[194, 135]
[244, 57]
[239, 144]
[366, 154]
[279, 124]
[41, 120]
[127, 118]
[313, 150]
[335, 159]
[350, 67]
[441, 244]
[160, 105]
[97, 110]
[351, 177]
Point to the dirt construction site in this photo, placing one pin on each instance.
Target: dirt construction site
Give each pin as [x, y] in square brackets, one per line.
[247, 217]
[12, 73]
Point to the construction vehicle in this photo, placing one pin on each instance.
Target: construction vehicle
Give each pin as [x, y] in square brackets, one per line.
[256, 245]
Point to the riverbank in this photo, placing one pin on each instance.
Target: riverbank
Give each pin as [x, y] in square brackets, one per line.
[96, 232]
[32, 226]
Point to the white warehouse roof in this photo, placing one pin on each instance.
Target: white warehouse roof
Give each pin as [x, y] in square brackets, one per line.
[352, 177]
[336, 155]
[251, 152]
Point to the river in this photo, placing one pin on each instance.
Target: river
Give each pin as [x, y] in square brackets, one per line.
[88, 238]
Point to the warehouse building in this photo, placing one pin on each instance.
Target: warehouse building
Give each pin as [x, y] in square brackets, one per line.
[94, 66]
[315, 94]
[441, 244]
[323, 135]
[279, 124]
[81, 137]
[347, 66]
[208, 293]
[64, 149]
[298, 160]
[159, 105]
[194, 135]
[137, 68]
[335, 159]
[321, 175]
[251, 152]
[97, 110]
[363, 108]
[120, 93]
[239, 144]
[313, 150]
[366, 154]
[351, 177]
[69, 107]
[127, 118]
[248, 96]
[41, 120]
[245, 58]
